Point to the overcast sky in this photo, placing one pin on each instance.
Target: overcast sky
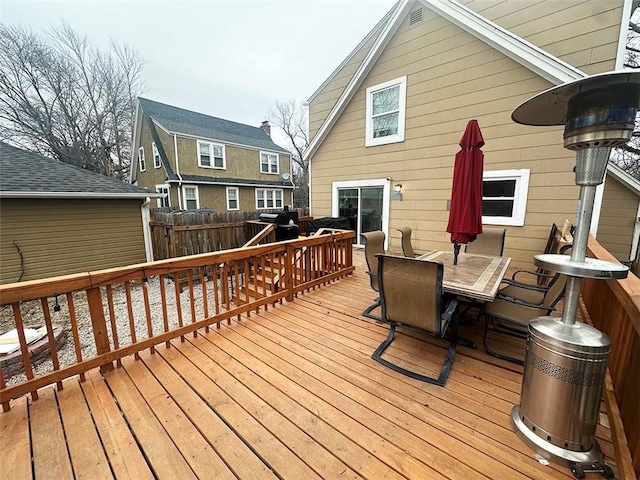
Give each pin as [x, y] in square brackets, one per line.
[229, 59]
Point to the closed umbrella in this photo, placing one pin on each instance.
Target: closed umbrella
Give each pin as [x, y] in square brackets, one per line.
[465, 214]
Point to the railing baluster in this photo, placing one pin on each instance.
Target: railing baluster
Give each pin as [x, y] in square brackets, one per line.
[147, 311]
[51, 338]
[132, 325]
[205, 300]
[112, 321]
[24, 350]
[176, 284]
[165, 315]
[191, 300]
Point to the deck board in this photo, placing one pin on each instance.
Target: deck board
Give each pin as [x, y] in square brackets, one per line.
[290, 393]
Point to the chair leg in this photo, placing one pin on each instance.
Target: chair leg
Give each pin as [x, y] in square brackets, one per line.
[444, 371]
[367, 311]
[493, 353]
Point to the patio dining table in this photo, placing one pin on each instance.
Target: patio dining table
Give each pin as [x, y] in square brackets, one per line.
[476, 276]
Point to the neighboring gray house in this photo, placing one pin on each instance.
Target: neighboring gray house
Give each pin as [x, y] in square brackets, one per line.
[200, 161]
[57, 219]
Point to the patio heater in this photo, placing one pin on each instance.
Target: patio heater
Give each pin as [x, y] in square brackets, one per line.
[566, 360]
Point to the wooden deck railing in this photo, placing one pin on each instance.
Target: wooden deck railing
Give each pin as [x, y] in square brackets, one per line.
[126, 310]
[613, 307]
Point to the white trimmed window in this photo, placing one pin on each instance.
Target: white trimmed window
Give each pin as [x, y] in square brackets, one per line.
[164, 201]
[269, 162]
[190, 198]
[268, 198]
[142, 164]
[504, 197]
[385, 109]
[211, 155]
[156, 155]
[233, 198]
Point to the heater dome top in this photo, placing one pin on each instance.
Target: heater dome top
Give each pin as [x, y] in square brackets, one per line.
[550, 107]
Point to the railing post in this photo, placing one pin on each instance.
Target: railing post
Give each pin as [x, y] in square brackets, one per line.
[289, 271]
[94, 298]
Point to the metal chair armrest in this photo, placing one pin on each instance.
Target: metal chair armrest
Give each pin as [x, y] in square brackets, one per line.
[528, 286]
[524, 303]
[530, 272]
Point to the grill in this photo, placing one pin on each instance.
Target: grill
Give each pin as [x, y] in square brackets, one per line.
[286, 224]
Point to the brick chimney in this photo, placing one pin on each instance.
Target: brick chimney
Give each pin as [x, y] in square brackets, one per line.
[266, 127]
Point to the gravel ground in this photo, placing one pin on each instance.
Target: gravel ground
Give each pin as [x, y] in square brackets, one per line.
[32, 316]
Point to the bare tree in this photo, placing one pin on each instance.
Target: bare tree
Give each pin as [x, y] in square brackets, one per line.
[627, 156]
[291, 118]
[63, 98]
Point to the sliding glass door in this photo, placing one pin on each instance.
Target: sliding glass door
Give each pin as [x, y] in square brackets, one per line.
[365, 203]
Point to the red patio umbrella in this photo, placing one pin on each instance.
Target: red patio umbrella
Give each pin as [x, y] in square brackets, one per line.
[465, 214]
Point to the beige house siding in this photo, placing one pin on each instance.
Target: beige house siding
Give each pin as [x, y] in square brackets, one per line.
[59, 236]
[618, 218]
[593, 25]
[451, 77]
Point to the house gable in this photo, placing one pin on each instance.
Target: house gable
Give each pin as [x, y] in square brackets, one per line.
[453, 75]
[527, 54]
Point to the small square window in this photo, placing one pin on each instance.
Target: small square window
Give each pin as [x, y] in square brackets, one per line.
[504, 197]
[163, 201]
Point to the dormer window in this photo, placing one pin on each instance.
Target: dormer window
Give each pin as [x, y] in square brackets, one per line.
[269, 162]
[211, 155]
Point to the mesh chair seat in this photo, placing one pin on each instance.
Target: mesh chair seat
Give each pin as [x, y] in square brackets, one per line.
[506, 312]
[411, 296]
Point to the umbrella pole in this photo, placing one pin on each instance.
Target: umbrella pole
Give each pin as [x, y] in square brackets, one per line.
[456, 251]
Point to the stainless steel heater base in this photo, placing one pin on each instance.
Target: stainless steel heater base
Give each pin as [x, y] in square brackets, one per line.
[550, 451]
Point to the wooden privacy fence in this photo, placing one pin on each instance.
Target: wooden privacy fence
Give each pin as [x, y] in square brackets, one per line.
[121, 311]
[613, 307]
[177, 233]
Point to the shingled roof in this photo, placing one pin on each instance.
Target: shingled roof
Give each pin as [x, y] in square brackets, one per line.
[181, 121]
[29, 174]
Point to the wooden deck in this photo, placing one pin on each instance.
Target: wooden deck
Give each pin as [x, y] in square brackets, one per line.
[288, 393]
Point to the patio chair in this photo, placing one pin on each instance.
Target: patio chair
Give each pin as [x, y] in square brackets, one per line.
[511, 315]
[527, 291]
[373, 245]
[407, 248]
[411, 293]
[489, 242]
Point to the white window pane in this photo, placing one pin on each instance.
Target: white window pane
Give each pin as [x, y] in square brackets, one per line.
[385, 125]
[386, 100]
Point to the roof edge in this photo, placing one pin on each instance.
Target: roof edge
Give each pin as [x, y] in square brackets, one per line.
[358, 77]
[121, 196]
[368, 37]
